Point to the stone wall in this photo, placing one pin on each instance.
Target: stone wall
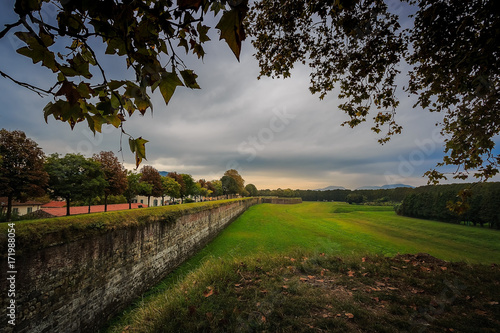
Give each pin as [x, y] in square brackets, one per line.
[78, 286]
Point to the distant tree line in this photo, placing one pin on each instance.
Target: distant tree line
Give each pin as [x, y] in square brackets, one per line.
[395, 195]
[26, 173]
[476, 204]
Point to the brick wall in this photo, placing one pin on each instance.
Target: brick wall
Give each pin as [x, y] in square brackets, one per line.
[78, 286]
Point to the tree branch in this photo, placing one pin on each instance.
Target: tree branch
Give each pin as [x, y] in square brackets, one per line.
[8, 27]
[41, 92]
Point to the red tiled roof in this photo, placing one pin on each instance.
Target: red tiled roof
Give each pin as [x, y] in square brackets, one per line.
[93, 209]
[4, 200]
[55, 204]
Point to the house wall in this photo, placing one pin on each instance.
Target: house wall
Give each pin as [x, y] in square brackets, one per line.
[78, 286]
[23, 209]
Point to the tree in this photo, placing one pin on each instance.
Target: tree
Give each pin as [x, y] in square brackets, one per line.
[21, 168]
[114, 173]
[141, 31]
[134, 187]
[355, 46]
[238, 179]
[74, 177]
[216, 187]
[190, 186]
[355, 198]
[171, 187]
[152, 177]
[229, 185]
[252, 190]
[180, 180]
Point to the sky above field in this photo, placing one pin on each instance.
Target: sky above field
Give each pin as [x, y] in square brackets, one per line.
[274, 132]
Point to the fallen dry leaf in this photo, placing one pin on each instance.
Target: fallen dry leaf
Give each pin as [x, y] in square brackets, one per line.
[350, 273]
[349, 315]
[209, 292]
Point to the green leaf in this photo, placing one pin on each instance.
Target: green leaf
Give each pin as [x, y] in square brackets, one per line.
[84, 90]
[114, 84]
[231, 29]
[98, 121]
[189, 78]
[36, 51]
[202, 31]
[114, 120]
[138, 146]
[169, 81]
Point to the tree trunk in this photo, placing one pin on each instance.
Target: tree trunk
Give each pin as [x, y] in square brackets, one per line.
[68, 199]
[90, 203]
[105, 202]
[9, 208]
[149, 197]
[130, 205]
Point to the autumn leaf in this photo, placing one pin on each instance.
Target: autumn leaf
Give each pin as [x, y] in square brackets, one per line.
[231, 29]
[209, 292]
[138, 146]
[349, 315]
[350, 273]
[189, 78]
[169, 81]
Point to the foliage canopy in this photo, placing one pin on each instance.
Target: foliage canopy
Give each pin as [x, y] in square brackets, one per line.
[356, 46]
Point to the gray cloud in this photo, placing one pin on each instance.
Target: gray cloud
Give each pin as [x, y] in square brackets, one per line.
[273, 131]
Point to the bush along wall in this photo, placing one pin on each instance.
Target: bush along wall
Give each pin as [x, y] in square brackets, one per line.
[476, 204]
[75, 273]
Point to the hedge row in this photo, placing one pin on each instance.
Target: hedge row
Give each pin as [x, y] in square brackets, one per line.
[480, 204]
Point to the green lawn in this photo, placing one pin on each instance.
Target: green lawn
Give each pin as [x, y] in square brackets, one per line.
[277, 268]
[342, 229]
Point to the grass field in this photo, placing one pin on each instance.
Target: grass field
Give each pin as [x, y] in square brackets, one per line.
[322, 266]
[342, 229]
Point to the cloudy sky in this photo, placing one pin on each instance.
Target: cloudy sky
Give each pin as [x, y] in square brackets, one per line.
[274, 132]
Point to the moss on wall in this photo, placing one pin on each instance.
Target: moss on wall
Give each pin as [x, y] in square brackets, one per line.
[32, 235]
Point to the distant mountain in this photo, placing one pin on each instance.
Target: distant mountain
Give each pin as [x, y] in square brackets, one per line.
[329, 188]
[383, 187]
[163, 173]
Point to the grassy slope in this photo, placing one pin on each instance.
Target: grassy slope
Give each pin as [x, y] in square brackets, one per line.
[343, 230]
[311, 229]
